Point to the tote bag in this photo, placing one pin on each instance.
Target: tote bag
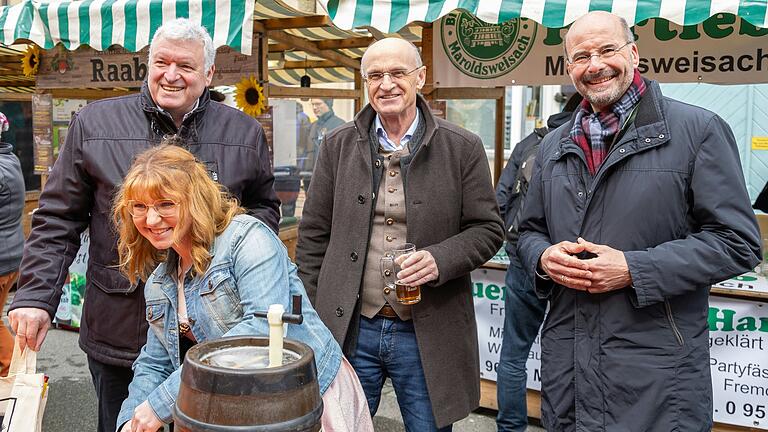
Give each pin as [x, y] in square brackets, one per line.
[23, 393]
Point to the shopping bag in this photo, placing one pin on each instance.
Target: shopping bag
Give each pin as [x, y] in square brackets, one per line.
[23, 393]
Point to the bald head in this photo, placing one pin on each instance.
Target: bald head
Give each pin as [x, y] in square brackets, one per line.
[602, 58]
[391, 45]
[598, 20]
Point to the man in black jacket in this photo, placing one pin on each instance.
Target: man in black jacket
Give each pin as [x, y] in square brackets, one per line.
[523, 310]
[102, 141]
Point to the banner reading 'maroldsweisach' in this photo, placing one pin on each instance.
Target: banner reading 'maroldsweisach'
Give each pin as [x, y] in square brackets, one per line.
[471, 53]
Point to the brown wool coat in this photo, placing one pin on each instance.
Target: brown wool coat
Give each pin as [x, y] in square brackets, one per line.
[451, 212]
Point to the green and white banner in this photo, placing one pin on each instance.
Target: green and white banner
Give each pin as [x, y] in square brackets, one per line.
[389, 16]
[128, 23]
[723, 49]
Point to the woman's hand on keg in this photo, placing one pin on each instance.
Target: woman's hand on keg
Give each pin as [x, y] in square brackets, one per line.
[144, 419]
[126, 426]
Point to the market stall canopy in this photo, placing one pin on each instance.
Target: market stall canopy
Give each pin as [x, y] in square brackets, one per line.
[127, 23]
[388, 16]
[297, 62]
[308, 43]
[302, 42]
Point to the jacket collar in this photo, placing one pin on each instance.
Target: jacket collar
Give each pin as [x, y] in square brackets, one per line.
[6, 148]
[651, 123]
[165, 122]
[366, 116]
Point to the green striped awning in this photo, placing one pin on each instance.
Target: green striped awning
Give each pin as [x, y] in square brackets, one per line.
[319, 75]
[266, 9]
[128, 23]
[389, 16]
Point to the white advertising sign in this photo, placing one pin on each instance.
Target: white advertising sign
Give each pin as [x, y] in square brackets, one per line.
[488, 293]
[64, 109]
[723, 49]
[738, 339]
[738, 350]
[749, 282]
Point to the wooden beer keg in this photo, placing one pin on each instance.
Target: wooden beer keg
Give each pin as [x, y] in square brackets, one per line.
[226, 386]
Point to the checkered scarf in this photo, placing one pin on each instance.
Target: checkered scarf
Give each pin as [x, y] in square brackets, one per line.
[594, 132]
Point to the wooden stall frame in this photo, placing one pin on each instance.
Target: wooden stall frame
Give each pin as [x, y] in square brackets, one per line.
[321, 49]
[16, 97]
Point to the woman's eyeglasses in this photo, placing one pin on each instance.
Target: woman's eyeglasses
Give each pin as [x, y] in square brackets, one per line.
[163, 207]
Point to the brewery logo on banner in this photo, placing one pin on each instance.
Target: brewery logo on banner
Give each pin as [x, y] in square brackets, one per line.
[722, 49]
[486, 51]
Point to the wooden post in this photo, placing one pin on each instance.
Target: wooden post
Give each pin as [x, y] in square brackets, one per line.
[264, 64]
[360, 89]
[498, 151]
[426, 55]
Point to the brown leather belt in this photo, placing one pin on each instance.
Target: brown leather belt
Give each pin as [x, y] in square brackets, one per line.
[387, 312]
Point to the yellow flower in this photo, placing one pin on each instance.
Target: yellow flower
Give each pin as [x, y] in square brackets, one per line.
[31, 61]
[249, 96]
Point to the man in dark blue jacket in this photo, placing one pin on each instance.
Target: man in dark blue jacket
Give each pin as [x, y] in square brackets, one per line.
[523, 310]
[636, 206]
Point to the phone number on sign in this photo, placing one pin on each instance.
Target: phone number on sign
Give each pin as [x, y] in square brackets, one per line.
[747, 410]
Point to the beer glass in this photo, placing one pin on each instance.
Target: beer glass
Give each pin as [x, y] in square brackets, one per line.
[390, 266]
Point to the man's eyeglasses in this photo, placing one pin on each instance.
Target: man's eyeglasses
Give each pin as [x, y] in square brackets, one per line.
[163, 207]
[375, 77]
[582, 59]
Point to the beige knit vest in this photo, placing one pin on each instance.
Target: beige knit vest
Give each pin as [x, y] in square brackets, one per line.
[388, 231]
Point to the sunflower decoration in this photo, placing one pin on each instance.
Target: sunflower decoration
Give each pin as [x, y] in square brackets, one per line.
[30, 62]
[249, 96]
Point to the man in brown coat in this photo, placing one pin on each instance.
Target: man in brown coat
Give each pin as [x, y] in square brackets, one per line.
[398, 174]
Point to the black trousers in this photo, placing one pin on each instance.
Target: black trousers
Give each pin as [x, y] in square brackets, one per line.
[111, 384]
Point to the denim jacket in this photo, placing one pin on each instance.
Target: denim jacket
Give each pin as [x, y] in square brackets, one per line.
[249, 271]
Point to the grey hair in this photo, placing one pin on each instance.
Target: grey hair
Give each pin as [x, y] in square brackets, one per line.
[183, 29]
[628, 35]
[413, 48]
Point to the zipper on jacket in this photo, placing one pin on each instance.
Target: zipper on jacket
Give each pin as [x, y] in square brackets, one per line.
[671, 319]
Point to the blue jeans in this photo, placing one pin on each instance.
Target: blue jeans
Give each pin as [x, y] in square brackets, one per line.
[523, 314]
[388, 348]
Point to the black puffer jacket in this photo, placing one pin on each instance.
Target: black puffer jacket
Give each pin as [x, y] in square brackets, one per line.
[11, 209]
[102, 141]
